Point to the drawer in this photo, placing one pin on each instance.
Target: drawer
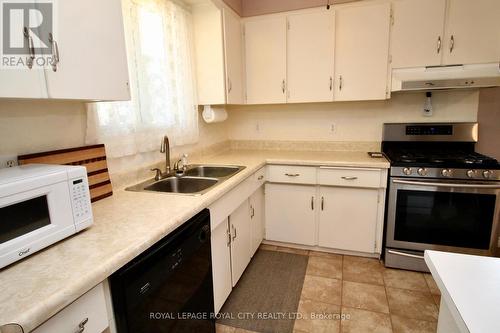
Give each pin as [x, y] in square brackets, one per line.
[91, 306]
[291, 174]
[259, 176]
[351, 177]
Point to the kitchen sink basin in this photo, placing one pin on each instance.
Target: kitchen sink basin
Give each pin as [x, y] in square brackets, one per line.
[196, 180]
[182, 185]
[212, 171]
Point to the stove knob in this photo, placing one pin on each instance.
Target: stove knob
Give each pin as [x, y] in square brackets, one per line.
[422, 171]
[446, 173]
[471, 173]
[487, 174]
[407, 171]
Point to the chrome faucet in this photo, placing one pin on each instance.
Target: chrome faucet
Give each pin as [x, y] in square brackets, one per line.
[165, 148]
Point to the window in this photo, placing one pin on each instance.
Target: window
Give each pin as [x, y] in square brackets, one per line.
[159, 47]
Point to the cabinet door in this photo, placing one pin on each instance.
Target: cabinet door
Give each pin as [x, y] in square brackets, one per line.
[91, 44]
[290, 211]
[362, 52]
[257, 216]
[472, 32]
[234, 56]
[221, 263]
[348, 218]
[19, 81]
[241, 240]
[417, 33]
[310, 47]
[265, 59]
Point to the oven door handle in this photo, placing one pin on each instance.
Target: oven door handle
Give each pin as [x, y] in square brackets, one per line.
[409, 182]
[398, 253]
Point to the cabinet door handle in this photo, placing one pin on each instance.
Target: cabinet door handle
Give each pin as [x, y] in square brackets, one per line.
[234, 234]
[312, 203]
[439, 45]
[260, 177]
[229, 85]
[452, 43]
[81, 325]
[331, 83]
[55, 52]
[340, 82]
[31, 48]
[349, 178]
[322, 203]
[283, 86]
[292, 174]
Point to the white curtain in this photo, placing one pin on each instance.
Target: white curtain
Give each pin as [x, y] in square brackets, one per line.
[160, 59]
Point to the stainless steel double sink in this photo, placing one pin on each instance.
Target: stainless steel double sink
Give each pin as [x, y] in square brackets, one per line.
[195, 180]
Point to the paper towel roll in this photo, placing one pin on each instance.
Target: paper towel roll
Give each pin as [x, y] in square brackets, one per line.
[213, 114]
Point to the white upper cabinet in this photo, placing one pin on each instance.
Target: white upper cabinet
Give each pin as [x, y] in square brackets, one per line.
[265, 59]
[234, 57]
[92, 60]
[362, 52]
[417, 33]
[310, 47]
[472, 32]
[218, 54]
[445, 32]
[92, 55]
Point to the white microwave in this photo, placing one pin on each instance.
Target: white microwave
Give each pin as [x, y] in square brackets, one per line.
[41, 204]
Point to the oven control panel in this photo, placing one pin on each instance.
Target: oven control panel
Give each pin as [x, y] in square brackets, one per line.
[446, 173]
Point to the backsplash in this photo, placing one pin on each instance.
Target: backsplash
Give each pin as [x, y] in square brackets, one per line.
[345, 121]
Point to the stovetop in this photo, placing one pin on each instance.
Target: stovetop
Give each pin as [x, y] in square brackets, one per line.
[440, 158]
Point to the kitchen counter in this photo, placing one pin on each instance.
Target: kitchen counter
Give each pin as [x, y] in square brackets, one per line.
[470, 291]
[125, 225]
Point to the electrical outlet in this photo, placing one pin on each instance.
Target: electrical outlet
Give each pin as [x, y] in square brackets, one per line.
[8, 161]
[257, 127]
[332, 128]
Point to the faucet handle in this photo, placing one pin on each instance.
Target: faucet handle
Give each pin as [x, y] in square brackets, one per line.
[158, 173]
[184, 161]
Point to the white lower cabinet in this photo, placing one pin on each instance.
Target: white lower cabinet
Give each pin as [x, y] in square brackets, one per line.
[221, 267]
[87, 314]
[290, 213]
[241, 240]
[348, 218]
[257, 218]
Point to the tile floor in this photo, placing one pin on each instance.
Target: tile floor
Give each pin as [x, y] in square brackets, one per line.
[372, 298]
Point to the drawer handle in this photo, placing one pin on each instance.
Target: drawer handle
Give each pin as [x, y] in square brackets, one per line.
[349, 178]
[260, 177]
[292, 174]
[81, 326]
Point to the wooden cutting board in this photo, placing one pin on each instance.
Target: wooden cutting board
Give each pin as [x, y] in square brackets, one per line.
[91, 157]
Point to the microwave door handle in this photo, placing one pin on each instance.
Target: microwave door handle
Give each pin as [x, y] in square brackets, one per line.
[410, 182]
[409, 255]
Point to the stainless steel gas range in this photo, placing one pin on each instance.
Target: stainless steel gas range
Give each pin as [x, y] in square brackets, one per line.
[442, 195]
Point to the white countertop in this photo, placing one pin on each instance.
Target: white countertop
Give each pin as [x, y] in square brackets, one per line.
[126, 224]
[471, 287]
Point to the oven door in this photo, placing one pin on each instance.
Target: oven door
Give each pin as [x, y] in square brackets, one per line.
[442, 215]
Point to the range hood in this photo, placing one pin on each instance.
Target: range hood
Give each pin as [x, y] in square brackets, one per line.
[446, 77]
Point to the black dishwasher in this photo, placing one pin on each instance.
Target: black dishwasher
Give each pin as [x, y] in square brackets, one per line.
[169, 287]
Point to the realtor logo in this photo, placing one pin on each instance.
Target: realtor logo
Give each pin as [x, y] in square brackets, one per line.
[27, 27]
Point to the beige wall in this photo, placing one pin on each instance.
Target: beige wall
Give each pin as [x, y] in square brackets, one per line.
[28, 126]
[352, 121]
[260, 7]
[489, 122]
